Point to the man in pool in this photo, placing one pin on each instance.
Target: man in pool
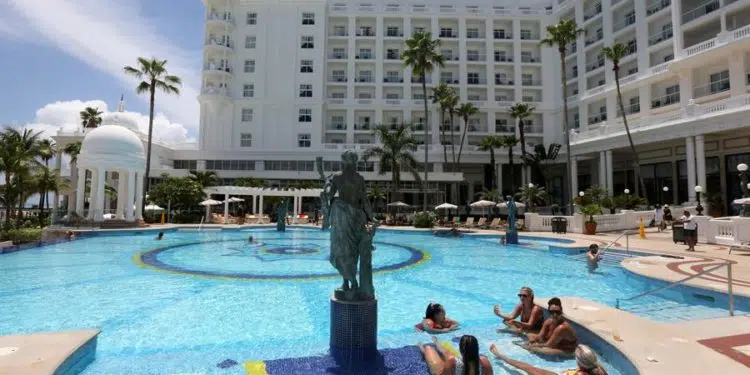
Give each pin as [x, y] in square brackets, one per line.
[160, 236]
[250, 239]
[557, 336]
[593, 257]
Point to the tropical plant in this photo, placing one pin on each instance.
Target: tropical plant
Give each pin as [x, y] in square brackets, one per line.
[394, 154]
[590, 210]
[628, 201]
[47, 181]
[510, 141]
[17, 160]
[592, 195]
[615, 53]
[520, 112]
[493, 195]
[561, 35]
[204, 178]
[532, 195]
[424, 219]
[422, 56]
[249, 182]
[91, 117]
[72, 150]
[490, 143]
[376, 194]
[542, 158]
[181, 193]
[154, 76]
[439, 95]
[464, 111]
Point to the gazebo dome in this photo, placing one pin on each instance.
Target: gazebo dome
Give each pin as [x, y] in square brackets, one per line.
[119, 118]
[112, 146]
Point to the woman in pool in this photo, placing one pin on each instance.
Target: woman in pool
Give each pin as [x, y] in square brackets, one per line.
[531, 315]
[586, 362]
[435, 320]
[443, 362]
[557, 336]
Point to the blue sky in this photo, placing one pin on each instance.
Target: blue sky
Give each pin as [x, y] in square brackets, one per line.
[68, 51]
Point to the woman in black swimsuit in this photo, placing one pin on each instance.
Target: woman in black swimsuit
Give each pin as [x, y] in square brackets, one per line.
[532, 316]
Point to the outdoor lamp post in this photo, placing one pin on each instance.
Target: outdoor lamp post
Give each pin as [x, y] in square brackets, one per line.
[626, 191]
[581, 194]
[745, 187]
[664, 195]
[699, 208]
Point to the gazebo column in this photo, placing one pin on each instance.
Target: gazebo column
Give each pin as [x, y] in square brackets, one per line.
[55, 195]
[130, 196]
[98, 183]
[294, 209]
[80, 191]
[253, 206]
[226, 207]
[122, 193]
[93, 198]
[139, 197]
[260, 208]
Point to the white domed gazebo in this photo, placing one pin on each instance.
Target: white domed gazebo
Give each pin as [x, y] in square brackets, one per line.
[112, 147]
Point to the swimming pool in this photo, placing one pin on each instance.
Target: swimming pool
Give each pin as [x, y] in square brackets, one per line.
[195, 299]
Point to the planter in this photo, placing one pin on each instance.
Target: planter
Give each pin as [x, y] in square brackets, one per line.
[589, 227]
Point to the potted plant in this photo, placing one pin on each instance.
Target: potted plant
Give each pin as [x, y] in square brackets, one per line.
[589, 227]
[608, 204]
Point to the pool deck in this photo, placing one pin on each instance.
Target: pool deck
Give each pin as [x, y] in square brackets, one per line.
[715, 346]
[46, 353]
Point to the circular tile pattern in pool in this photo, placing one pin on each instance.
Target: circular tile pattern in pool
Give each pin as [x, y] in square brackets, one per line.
[296, 258]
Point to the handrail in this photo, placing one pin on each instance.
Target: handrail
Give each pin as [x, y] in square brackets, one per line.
[730, 294]
[614, 242]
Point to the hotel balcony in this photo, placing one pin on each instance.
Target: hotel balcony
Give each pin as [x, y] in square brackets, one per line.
[337, 56]
[392, 56]
[365, 56]
[502, 35]
[657, 6]
[665, 100]
[391, 32]
[428, 80]
[336, 127]
[211, 69]
[712, 88]
[393, 79]
[220, 20]
[623, 23]
[450, 57]
[531, 82]
[219, 45]
[503, 82]
[476, 57]
[629, 109]
[476, 80]
[699, 11]
[475, 35]
[660, 36]
[337, 79]
[531, 59]
[592, 12]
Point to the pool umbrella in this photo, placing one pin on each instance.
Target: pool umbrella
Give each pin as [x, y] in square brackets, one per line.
[235, 199]
[397, 204]
[483, 204]
[153, 207]
[208, 203]
[446, 206]
[505, 205]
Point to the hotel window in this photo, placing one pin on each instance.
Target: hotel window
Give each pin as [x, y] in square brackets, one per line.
[525, 34]
[365, 76]
[306, 66]
[392, 31]
[249, 66]
[472, 33]
[527, 79]
[305, 115]
[307, 42]
[340, 31]
[446, 32]
[719, 81]
[500, 56]
[252, 18]
[472, 78]
[303, 140]
[305, 91]
[338, 122]
[246, 140]
[446, 77]
[392, 76]
[248, 90]
[247, 114]
[308, 18]
[249, 42]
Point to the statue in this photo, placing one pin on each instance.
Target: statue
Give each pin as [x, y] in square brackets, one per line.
[511, 234]
[352, 228]
[281, 215]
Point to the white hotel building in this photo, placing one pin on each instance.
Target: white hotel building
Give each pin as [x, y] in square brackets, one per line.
[286, 81]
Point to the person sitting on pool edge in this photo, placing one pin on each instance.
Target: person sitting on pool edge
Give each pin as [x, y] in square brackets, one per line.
[160, 236]
[531, 315]
[593, 257]
[586, 362]
[441, 361]
[435, 320]
[557, 336]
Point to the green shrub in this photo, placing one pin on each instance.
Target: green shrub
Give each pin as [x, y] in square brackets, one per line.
[424, 219]
[22, 236]
[187, 218]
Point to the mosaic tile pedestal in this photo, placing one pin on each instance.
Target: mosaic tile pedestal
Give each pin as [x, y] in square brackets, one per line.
[354, 330]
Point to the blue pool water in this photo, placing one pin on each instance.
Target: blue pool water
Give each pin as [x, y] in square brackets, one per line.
[193, 300]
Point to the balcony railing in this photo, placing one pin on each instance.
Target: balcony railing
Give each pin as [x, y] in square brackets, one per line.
[450, 57]
[363, 126]
[365, 56]
[665, 100]
[339, 33]
[531, 59]
[599, 36]
[531, 82]
[502, 35]
[660, 37]
[393, 79]
[419, 80]
[449, 80]
[533, 129]
[337, 79]
[336, 126]
[476, 81]
[505, 82]
[597, 118]
[364, 79]
[629, 109]
[711, 88]
[594, 65]
[476, 57]
[700, 11]
[529, 36]
[503, 59]
[223, 43]
[591, 13]
[366, 33]
[338, 56]
[700, 47]
[392, 56]
[629, 20]
[220, 17]
[215, 91]
[505, 129]
[630, 48]
[394, 34]
[223, 69]
[446, 34]
[479, 35]
[657, 6]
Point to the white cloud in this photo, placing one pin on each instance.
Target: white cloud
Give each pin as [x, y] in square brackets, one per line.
[107, 35]
[66, 115]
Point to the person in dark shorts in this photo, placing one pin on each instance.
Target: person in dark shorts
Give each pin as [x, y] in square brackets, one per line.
[690, 229]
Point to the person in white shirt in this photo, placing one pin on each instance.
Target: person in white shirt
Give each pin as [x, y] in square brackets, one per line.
[690, 229]
[658, 218]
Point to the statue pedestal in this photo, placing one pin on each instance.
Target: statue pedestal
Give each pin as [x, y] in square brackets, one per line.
[354, 330]
[511, 238]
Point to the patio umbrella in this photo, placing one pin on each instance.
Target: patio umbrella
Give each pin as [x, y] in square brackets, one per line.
[505, 205]
[208, 203]
[235, 199]
[397, 204]
[446, 206]
[482, 203]
[153, 207]
[741, 201]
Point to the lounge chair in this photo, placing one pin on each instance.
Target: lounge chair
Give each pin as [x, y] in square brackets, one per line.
[456, 221]
[495, 224]
[469, 222]
[481, 222]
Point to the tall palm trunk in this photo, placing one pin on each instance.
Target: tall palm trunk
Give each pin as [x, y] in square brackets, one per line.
[42, 196]
[395, 179]
[8, 200]
[73, 183]
[426, 133]
[512, 170]
[522, 136]
[637, 168]
[148, 147]
[494, 169]
[567, 128]
[454, 186]
[442, 137]
[21, 201]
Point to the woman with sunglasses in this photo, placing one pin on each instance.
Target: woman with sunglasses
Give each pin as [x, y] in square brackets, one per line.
[557, 336]
[531, 315]
[442, 362]
[586, 363]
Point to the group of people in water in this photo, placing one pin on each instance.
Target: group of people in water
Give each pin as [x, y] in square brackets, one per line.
[553, 336]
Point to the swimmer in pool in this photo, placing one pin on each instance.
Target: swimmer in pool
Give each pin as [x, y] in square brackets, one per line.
[250, 239]
[593, 257]
[586, 363]
[435, 320]
[160, 236]
[531, 315]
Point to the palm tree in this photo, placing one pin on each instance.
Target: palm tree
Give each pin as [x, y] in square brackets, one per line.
[72, 150]
[490, 143]
[155, 76]
[395, 154]
[510, 141]
[541, 158]
[422, 56]
[47, 181]
[17, 158]
[375, 195]
[204, 178]
[46, 150]
[91, 117]
[615, 53]
[520, 112]
[439, 94]
[465, 110]
[532, 195]
[561, 35]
